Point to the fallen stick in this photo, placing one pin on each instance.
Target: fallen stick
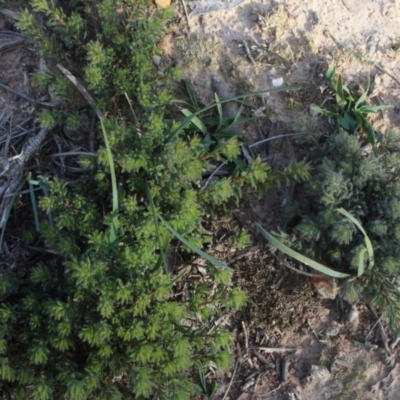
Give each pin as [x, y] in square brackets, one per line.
[277, 349]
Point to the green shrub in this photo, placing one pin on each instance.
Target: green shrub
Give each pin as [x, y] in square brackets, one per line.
[363, 180]
[108, 318]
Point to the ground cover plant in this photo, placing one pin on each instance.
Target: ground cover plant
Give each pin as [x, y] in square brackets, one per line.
[103, 317]
[346, 109]
[345, 222]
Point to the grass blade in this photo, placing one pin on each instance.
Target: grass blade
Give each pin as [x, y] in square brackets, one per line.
[34, 206]
[195, 121]
[368, 129]
[374, 109]
[153, 212]
[324, 112]
[330, 73]
[219, 108]
[192, 95]
[194, 248]
[340, 98]
[299, 257]
[115, 205]
[368, 243]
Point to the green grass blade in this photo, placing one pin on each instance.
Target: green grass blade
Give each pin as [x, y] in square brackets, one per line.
[324, 112]
[34, 206]
[298, 271]
[368, 243]
[330, 73]
[195, 121]
[363, 97]
[361, 264]
[374, 109]
[115, 205]
[299, 257]
[194, 248]
[161, 260]
[192, 95]
[340, 97]
[368, 129]
[187, 121]
[219, 109]
[237, 120]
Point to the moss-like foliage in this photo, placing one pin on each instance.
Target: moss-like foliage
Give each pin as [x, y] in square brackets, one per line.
[363, 180]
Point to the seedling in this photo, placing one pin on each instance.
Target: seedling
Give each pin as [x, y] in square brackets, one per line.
[348, 111]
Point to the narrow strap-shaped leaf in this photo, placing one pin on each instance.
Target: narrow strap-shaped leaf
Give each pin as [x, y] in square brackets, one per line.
[195, 121]
[192, 94]
[219, 109]
[194, 248]
[368, 243]
[299, 257]
[114, 222]
[363, 97]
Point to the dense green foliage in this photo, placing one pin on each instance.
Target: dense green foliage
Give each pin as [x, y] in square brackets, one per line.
[107, 319]
[363, 180]
[348, 110]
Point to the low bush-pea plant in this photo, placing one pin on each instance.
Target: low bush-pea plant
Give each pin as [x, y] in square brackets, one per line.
[348, 110]
[346, 221]
[107, 318]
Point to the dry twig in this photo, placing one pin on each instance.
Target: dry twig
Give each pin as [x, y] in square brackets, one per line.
[277, 349]
[230, 383]
[246, 337]
[381, 330]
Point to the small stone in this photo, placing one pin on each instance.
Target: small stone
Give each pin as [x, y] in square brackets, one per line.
[156, 60]
[277, 82]
[353, 317]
